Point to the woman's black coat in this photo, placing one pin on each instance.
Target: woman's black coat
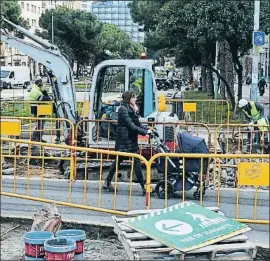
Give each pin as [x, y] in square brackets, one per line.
[128, 129]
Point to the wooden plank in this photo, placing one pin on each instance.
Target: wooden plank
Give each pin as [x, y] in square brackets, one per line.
[239, 238]
[125, 228]
[248, 245]
[134, 236]
[121, 238]
[234, 256]
[144, 243]
[145, 255]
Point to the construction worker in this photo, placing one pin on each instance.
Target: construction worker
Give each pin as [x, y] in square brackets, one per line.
[38, 94]
[137, 86]
[253, 111]
[143, 56]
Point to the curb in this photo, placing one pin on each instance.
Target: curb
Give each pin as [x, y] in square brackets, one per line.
[109, 228]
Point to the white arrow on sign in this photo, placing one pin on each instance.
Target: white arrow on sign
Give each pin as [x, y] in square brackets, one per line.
[174, 227]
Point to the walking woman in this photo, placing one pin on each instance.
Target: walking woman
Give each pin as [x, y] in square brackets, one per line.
[128, 129]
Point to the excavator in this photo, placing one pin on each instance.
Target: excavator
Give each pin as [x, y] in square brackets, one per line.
[110, 79]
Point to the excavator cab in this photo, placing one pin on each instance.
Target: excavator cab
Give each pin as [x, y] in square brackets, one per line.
[111, 78]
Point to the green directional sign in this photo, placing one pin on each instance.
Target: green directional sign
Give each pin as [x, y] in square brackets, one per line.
[187, 226]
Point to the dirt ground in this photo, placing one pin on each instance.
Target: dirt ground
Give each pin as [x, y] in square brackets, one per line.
[97, 247]
[101, 244]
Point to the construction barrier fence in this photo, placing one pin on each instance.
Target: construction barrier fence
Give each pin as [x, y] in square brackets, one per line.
[102, 134]
[49, 171]
[36, 128]
[210, 112]
[22, 108]
[73, 177]
[242, 138]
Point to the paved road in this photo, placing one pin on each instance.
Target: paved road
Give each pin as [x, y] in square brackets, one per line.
[58, 190]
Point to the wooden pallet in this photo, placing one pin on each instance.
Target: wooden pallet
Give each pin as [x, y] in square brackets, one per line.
[140, 247]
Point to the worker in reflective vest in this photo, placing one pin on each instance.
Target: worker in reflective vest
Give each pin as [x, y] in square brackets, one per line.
[253, 111]
[137, 87]
[37, 94]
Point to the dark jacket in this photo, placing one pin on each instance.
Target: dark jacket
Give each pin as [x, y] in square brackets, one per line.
[128, 129]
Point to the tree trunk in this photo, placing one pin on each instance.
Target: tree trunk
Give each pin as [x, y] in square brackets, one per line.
[203, 75]
[238, 67]
[78, 70]
[229, 70]
[240, 85]
[222, 66]
[228, 89]
[209, 78]
[209, 83]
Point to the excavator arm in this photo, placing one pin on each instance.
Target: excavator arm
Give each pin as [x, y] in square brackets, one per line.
[50, 56]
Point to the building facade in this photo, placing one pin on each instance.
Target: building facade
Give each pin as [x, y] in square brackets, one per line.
[118, 13]
[31, 11]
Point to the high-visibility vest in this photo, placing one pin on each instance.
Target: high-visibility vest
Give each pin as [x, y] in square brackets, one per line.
[254, 113]
[35, 94]
[137, 86]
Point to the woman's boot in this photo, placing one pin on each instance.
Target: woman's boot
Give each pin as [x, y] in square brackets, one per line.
[108, 186]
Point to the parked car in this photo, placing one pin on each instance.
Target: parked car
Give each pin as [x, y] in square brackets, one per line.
[15, 76]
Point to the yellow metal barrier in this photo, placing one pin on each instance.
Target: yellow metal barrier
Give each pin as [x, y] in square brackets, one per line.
[10, 127]
[34, 163]
[37, 164]
[103, 133]
[242, 138]
[210, 112]
[52, 127]
[22, 108]
[248, 173]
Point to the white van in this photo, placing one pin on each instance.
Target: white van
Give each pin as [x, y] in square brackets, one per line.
[15, 76]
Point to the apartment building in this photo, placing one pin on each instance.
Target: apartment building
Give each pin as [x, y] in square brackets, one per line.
[31, 11]
[118, 13]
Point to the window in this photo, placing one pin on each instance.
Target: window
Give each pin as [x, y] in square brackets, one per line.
[28, 21]
[122, 10]
[108, 16]
[22, 5]
[35, 9]
[34, 22]
[141, 82]
[84, 6]
[39, 10]
[23, 63]
[11, 75]
[114, 10]
[10, 49]
[112, 84]
[27, 7]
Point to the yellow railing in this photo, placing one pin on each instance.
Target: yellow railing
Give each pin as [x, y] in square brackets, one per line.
[242, 138]
[210, 112]
[22, 108]
[36, 162]
[51, 127]
[250, 171]
[104, 133]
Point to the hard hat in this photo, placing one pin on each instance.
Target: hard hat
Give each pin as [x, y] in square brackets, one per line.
[242, 103]
[143, 55]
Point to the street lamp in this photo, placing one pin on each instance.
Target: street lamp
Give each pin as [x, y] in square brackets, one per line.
[255, 56]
